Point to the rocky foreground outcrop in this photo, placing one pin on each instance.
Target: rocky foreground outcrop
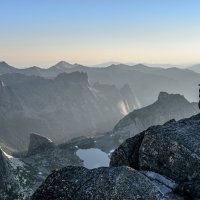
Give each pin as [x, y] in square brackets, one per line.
[14, 180]
[162, 162]
[97, 184]
[22, 173]
[172, 150]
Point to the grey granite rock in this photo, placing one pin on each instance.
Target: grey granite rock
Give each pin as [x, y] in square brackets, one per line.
[167, 107]
[21, 174]
[190, 189]
[97, 184]
[172, 150]
[39, 143]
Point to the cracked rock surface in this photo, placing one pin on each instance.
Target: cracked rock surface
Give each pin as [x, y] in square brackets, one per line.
[101, 183]
[172, 150]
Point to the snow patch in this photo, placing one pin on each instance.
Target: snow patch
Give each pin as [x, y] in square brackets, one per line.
[161, 179]
[14, 162]
[110, 152]
[165, 185]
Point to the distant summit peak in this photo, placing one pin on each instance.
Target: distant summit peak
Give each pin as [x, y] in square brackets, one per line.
[3, 63]
[34, 67]
[62, 62]
[165, 95]
[63, 65]
[139, 65]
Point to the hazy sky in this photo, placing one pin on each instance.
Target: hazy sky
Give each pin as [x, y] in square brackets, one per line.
[42, 32]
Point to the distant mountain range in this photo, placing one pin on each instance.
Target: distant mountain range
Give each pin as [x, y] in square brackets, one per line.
[22, 173]
[69, 100]
[145, 82]
[64, 107]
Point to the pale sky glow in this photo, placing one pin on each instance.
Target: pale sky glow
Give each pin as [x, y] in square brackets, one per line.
[35, 32]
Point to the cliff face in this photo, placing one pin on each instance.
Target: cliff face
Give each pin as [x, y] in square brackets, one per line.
[3, 168]
[62, 108]
[21, 174]
[15, 183]
[38, 144]
[167, 107]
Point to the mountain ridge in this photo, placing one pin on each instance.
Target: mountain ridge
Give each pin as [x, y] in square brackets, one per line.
[139, 168]
[67, 105]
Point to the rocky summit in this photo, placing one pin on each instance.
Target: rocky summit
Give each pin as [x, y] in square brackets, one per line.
[172, 150]
[162, 162]
[97, 184]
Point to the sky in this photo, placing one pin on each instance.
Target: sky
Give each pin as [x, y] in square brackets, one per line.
[43, 32]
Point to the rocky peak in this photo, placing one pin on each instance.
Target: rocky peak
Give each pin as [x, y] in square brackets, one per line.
[3, 63]
[172, 150]
[63, 65]
[3, 168]
[163, 96]
[5, 68]
[167, 107]
[113, 65]
[139, 66]
[34, 68]
[74, 77]
[38, 143]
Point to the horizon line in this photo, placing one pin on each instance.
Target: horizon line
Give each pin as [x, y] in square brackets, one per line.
[107, 64]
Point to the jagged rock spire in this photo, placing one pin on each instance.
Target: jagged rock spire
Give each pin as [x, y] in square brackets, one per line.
[38, 143]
